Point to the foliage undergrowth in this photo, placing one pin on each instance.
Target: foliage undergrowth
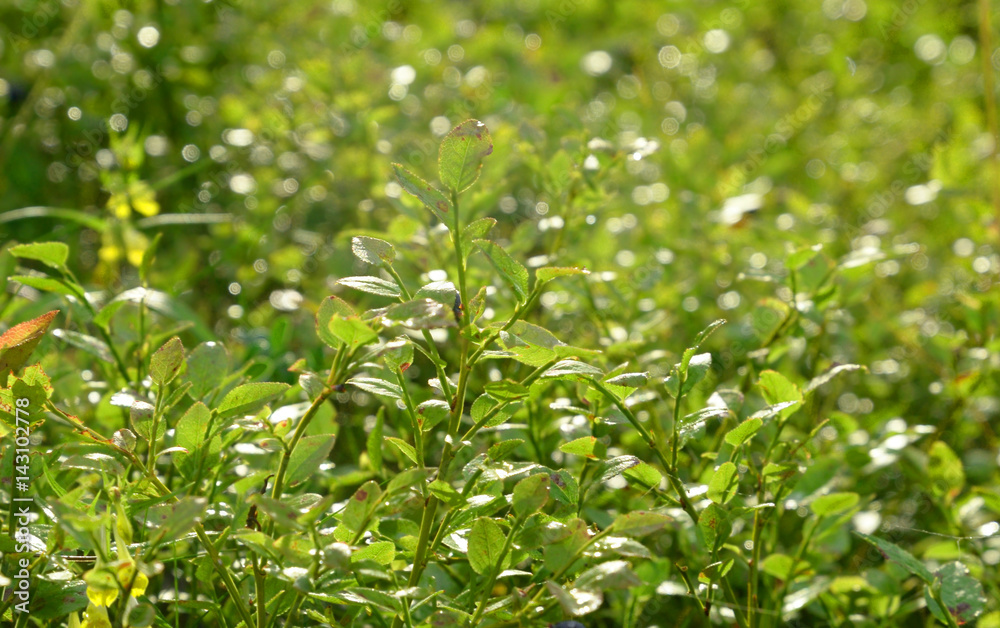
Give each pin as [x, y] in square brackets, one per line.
[432, 466]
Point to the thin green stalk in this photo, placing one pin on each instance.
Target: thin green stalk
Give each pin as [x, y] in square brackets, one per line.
[566, 567]
[431, 346]
[754, 577]
[799, 553]
[260, 583]
[690, 586]
[494, 571]
[418, 439]
[458, 406]
[157, 411]
[676, 428]
[731, 598]
[213, 553]
[82, 297]
[672, 478]
[286, 456]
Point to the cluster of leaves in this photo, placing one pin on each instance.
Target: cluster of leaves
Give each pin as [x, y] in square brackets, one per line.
[507, 477]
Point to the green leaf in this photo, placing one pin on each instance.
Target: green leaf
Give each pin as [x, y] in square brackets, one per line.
[420, 314]
[577, 602]
[528, 343]
[381, 552]
[52, 254]
[743, 432]
[724, 483]
[697, 367]
[357, 514]
[374, 442]
[351, 331]
[141, 616]
[962, 594]
[530, 494]
[363, 597]
[823, 378]
[640, 523]
[190, 433]
[501, 450]
[18, 342]
[48, 284]
[462, 152]
[432, 412]
[511, 270]
[307, 456]
[398, 354]
[404, 447]
[944, 470]
[834, 504]
[171, 521]
[486, 541]
[777, 389]
[715, 571]
[427, 193]
[330, 307]
[506, 390]
[588, 446]
[714, 526]
[778, 565]
[564, 488]
[93, 346]
[377, 386]
[643, 474]
[373, 251]
[444, 292]
[249, 398]
[630, 380]
[572, 369]
[372, 285]
[614, 574]
[475, 230]
[548, 273]
[540, 530]
[801, 257]
[166, 362]
[282, 513]
[207, 365]
[891, 551]
[446, 493]
[52, 599]
[562, 555]
[613, 467]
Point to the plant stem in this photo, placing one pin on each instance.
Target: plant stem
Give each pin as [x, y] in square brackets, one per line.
[676, 427]
[731, 597]
[418, 439]
[457, 407]
[286, 456]
[806, 538]
[675, 481]
[494, 571]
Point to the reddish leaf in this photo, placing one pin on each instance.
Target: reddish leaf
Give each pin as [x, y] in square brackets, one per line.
[17, 343]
